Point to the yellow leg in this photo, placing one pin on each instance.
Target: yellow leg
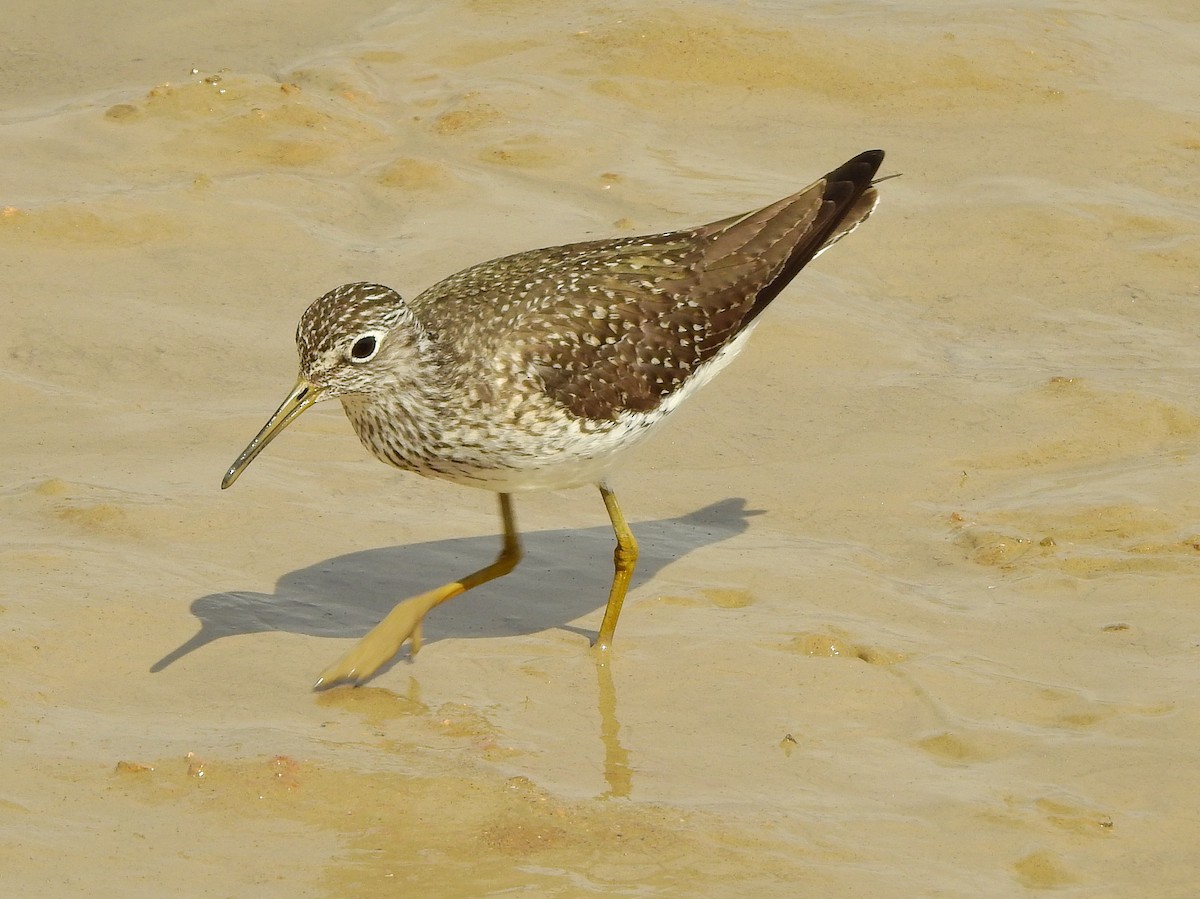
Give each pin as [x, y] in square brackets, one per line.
[624, 560]
[384, 640]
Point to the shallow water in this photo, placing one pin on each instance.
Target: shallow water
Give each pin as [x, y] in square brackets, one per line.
[916, 613]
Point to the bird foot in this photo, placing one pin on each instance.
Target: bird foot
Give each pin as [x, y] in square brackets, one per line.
[382, 642]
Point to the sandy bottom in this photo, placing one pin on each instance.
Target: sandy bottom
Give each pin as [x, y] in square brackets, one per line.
[917, 613]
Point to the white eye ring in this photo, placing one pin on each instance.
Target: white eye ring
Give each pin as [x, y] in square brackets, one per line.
[365, 347]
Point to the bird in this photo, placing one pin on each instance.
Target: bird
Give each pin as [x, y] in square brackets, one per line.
[540, 370]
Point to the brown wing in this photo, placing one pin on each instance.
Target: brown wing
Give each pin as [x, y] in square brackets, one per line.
[635, 318]
[615, 325]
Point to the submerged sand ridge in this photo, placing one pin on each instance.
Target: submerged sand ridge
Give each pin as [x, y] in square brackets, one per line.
[915, 614]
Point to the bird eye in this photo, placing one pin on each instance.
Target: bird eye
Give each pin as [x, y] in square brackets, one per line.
[364, 348]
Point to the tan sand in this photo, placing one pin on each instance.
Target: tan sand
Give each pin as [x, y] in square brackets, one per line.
[918, 611]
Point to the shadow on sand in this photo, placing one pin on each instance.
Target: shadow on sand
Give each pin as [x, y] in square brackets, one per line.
[564, 575]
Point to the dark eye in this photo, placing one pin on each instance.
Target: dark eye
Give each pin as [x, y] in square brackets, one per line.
[363, 349]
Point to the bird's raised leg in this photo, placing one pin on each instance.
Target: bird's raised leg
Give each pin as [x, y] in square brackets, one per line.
[624, 561]
[384, 640]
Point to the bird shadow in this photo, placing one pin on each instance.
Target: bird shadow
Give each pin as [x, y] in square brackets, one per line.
[564, 574]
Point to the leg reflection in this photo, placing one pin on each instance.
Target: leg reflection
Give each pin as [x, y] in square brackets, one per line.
[617, 772]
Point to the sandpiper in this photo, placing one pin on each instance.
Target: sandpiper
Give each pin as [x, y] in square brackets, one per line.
[538, 371]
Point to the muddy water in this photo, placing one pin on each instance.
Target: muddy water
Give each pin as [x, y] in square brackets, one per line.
[917, 610]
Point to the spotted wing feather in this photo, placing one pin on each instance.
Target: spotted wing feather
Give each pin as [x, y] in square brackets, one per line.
[613, 325]
[646, 313]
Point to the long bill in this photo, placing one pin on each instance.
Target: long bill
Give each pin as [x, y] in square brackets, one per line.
[303, 395]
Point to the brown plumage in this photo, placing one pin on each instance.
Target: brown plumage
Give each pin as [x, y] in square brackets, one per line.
[618, 325]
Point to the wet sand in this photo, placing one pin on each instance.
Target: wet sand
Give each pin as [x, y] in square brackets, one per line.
[917, 609]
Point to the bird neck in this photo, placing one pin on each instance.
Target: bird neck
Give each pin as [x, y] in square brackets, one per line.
[400, 419]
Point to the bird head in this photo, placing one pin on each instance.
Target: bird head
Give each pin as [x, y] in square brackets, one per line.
[358, 338]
